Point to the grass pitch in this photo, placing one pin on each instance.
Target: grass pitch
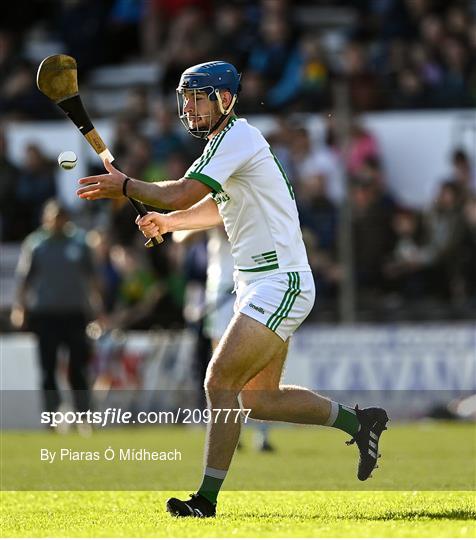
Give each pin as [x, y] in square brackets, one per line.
[260, 514]
[317, 457]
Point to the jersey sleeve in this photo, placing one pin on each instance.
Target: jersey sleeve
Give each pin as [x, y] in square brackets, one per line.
[222, 157]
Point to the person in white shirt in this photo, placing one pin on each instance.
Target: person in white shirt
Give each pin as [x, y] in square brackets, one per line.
[238, 181]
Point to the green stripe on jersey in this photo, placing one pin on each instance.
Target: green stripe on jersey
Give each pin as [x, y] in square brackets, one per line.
[207, 156]
[283, 172]
[260, 268]
[264, 261]
[265, 254]
[207, 180]
[264, 258]
[267, 257]
[287, 302]
[213, 144]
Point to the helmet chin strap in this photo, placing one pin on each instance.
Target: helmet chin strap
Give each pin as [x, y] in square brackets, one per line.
[224, 112]
[220, 103]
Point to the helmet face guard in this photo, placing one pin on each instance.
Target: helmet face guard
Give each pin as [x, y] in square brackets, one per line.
[207, 79]
[198, 125]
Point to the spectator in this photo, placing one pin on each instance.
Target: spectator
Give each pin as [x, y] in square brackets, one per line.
[109, 277]
[445, 226]
[159, 16]
[19, 97]
[302, 155]
[315, 164]
[165, 139]
[364, 88]
[137, 104]
[363, 145]
[175, 166]
[406, 268]
[122, 30]
[253, 93]
[463, 173]
[327, 273]
[234, 37]
[314, 91]
[57, 285]
[139, 160]
[432, 33]
[453, 91]
[280, 140]
[8, 181]
[35, 185]
[81, 26]
[187, 44]
[371, 235]
[468, 251]
[8, 55]
[410, 92]
[318, 213]
[126, 129]
[457, 20]
[427, 68]
[277, 59]
[139, 292]
[371, 172]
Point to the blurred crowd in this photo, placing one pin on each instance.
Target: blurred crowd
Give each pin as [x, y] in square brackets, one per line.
[408, 264]
[395, 54]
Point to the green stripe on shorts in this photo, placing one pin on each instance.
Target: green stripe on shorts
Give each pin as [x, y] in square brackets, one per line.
[295, 293]
[286, 303]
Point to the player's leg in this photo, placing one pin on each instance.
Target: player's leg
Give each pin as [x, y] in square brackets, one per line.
[281, 303]
[261, 438]
[215, 327]
[255, 343]
[245, 349]
[269, 400]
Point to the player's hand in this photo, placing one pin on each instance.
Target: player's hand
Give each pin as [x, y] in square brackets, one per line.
[153, 224]
[102, 186]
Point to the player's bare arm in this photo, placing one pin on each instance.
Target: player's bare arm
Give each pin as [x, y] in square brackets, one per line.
[202, 215]
[169, 195]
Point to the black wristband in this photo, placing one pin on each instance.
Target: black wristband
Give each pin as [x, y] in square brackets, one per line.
[124, 186]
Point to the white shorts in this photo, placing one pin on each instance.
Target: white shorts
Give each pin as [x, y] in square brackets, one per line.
[280, 301]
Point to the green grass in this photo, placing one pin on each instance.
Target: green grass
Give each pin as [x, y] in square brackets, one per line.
[423, 487]
[301, 514]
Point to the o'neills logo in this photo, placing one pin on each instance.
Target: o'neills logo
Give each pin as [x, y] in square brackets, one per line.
[257, 308]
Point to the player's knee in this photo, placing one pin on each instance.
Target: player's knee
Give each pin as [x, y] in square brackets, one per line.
[256, 402]
[219, 385]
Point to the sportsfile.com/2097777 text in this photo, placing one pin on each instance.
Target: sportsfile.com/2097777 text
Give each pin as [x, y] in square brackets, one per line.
[113, 416]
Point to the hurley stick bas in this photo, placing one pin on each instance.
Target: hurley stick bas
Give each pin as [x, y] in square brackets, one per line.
[57, 78]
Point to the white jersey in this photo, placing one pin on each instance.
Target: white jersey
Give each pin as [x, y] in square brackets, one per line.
[255, 200]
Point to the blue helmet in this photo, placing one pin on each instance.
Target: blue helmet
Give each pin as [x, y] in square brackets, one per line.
[211, 78]
[217, 75]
